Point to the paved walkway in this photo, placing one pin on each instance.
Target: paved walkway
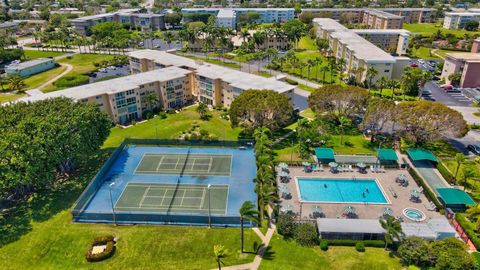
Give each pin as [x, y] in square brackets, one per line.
[69, 68]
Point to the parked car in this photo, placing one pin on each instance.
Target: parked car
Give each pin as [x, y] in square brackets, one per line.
[426, 93]
[446, 86]
[474, 148]
[454, 90]
[428, 98]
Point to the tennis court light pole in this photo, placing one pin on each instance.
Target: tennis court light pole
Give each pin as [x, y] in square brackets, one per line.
[209, 212]
[111, 201]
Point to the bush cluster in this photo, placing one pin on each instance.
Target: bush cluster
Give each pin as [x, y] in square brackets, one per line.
[324, 245]
[290, 81]
[70, 81]
[109, 250]
[469, 228]
[304, 234]
[360, 246]
[286, 225]
[351, 243]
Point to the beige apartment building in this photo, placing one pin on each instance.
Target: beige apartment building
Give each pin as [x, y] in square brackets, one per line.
[394, 41]
[377, 19]
[358, 53]
[124, 99]
[467, 64]
[212, 84]
[413, 15]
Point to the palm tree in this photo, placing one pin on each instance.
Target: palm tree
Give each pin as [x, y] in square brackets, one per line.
[393, 84]
[168, 37]
[467, 174]
[224, 42]
[310, 63]
[359, 74]
[202, 109]
[393, 228]
[244, 35]
[16, 83]
[267, 196]
[459, 158]
[318, 62]
[220, 252]
[324, 69]
[150, 99]
[371, 73]
[473, 213]
[382, 82]
[344, 121]
[247, 211]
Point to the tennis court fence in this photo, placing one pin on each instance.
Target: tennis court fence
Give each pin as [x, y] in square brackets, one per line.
[97, 181]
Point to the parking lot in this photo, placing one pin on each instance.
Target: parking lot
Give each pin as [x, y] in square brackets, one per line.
[463, 98]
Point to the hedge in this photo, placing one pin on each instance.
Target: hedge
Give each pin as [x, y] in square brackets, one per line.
[290, 81]
[324, 245]
[70, 81]
[445, 173]
[107, 253]
[469, 228]
[360, 246]
[351, 243]
[427, 191]
[476, 256]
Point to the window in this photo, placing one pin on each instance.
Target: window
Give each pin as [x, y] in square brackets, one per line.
[98, 97]
[386, 70]
[131, 92]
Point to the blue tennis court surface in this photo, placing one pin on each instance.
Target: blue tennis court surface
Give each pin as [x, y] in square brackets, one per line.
[340, 191]
[170, 185]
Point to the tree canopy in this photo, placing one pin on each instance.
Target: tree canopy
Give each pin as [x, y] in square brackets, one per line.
[422, 121]
[41, 139]
[260, 108]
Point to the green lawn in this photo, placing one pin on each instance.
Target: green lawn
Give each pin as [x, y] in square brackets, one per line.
[285, 255]
[82, 64]
[427, 54]
[34, 54]
[216, 62]
[172, 126]
[308, 113]
[41, 78]
[387, 92]
[306, 87]
[307, 43]
[359, 146]
[6, 97]
[428, 29]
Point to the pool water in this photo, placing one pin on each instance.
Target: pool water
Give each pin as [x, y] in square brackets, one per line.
[340, 191]
[414, 214]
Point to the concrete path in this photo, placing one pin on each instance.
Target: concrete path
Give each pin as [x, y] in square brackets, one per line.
[69, 68]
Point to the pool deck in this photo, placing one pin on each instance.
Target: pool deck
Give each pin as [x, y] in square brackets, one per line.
[364, 211]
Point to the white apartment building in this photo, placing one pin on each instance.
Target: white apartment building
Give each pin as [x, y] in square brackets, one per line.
[390, 40]
[457, 20]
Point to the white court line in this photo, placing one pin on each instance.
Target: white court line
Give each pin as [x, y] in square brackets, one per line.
[193, 164]
[203, 199]
[165, 208]
[210, 164]
[176, 165]
[183, 196]
[143, 197]
[160, 162]
[164, 193]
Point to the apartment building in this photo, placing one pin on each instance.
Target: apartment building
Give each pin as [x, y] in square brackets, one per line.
[457, 20]
[356, 15]
[228, 17]
[358, 53]
[128, 16]
[215, 85]
[28, 68]
[394, 41]
[281, 43]
[124, 98]
[377, 19]
[468, 64]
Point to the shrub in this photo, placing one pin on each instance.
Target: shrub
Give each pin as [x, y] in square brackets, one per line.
[162, 115]
[107, 253]
[306, 234]
[70, 81]
[445, 173]
[360, 246]
[290, 81]
[351, 243]
[469, 228]
[324, 245]
[286, 225]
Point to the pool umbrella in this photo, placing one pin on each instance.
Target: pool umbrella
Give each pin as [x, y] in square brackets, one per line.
[306, 164]
[333, 164]
[414, 193]
[283, 174]
[349, 210]
[283, 165]
[361, 165]
[288, 208]
[402, 177]
[316, 209]
[387, 211]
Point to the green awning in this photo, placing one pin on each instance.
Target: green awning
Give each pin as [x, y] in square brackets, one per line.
[386, 154]
[418, 154]
[324, 153]
[452, 196]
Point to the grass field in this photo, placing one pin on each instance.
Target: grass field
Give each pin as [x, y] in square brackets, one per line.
[425, 53]
[172, 126]
[428, 29]
[286, 255]
[82, 63]
[41, 78]
[34, 54]
[216, 62]
[6, 97]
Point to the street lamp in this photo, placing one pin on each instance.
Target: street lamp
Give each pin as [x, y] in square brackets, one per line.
[111, 201]
[209, 212]
[291, 152]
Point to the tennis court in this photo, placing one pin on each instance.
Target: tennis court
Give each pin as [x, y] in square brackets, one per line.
[184, 198]
[185, 164]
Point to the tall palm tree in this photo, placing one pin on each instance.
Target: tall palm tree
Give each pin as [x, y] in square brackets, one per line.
[151, 100]
[324, 69]
[267, 196]
[16, 83]
[459, 159]
[394, 84]
[382, 82]
[220, 252]
[168, 36]
[310, 63]
[318, 62]
[393, 228]
[371, 73]
[359, 74]
[247, 211]
[202, 109]
[244, 34]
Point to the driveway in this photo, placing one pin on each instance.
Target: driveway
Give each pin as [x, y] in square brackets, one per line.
[472, 137]
[449, 99]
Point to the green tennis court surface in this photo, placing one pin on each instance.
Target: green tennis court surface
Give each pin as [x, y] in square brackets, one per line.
[187, 198]
[192, 164]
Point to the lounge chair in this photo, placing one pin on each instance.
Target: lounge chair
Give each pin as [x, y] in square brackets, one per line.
[372, 168]
[350, 168]
[382, 169]
[320, 168]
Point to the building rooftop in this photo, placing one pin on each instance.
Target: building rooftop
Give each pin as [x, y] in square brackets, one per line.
[349, 225]
[234, 77]
[381, 31]
[408, 9]
[418, 229]
[28, 64]
[467, 56]
[93, 17]
[465, 14]
[114, 85]
[226, 13]
[383, 14]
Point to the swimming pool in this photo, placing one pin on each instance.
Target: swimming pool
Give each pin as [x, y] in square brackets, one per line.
[359, 190]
